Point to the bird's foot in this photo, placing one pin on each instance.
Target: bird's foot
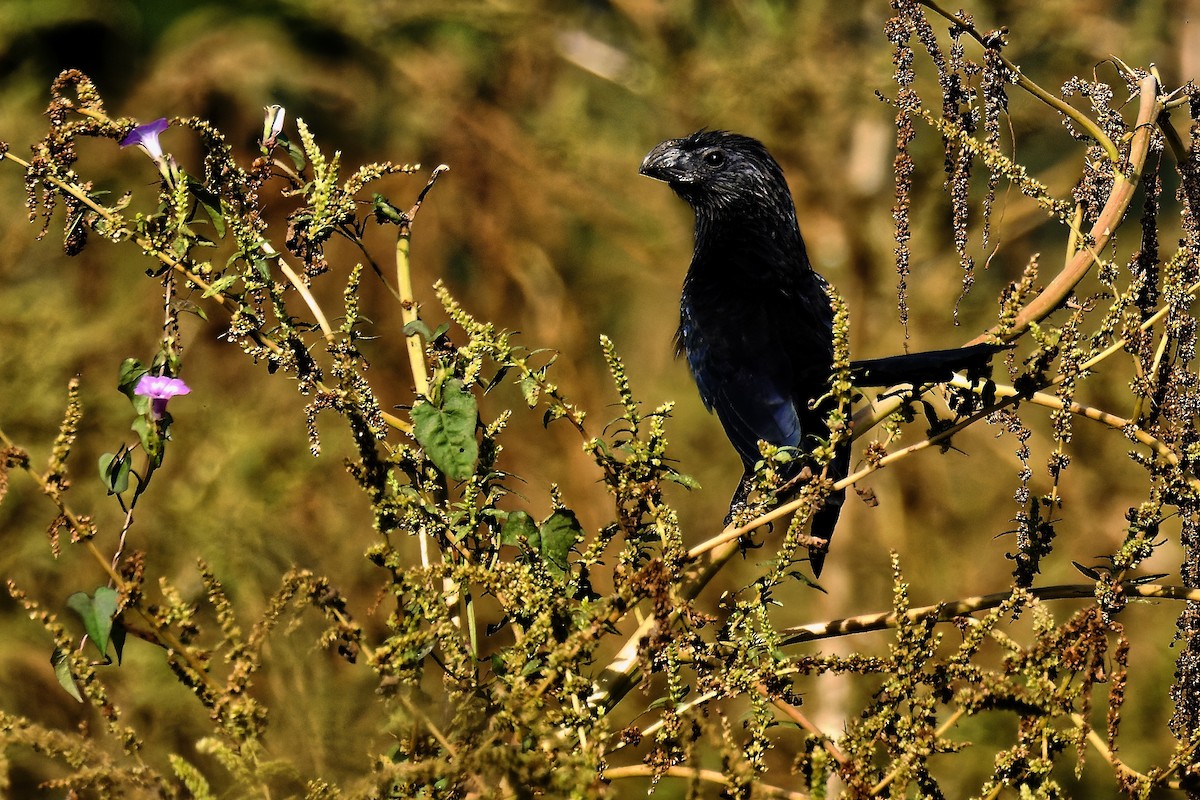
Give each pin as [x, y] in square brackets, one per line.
[805, 475]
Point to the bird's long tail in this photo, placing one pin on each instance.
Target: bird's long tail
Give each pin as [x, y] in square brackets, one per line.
[932, 366]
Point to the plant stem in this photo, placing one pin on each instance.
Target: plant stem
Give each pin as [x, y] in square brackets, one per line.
[1050, 298]
[695, 773]
[302, 288]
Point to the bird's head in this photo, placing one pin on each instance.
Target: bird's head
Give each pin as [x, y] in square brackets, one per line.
[718, 171]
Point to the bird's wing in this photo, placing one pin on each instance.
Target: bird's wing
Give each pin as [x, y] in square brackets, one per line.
[751, 408]
[747, 384]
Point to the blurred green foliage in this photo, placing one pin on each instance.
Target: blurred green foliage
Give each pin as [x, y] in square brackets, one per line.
[543, 111]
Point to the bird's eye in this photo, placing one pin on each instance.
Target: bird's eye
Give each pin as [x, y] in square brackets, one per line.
[714, 158]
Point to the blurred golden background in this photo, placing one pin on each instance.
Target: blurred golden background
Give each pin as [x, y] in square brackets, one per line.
[543, 111]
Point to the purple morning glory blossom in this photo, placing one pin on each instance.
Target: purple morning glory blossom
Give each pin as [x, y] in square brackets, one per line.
[160, 389]
[146, 137]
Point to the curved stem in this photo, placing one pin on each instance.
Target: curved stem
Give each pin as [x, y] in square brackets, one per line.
[1102, 230]
[302, 288]
[1051, 297]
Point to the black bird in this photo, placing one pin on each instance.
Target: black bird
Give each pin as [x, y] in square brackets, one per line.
[755, 319]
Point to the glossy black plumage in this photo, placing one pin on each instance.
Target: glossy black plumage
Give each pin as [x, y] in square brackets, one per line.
[756, 325]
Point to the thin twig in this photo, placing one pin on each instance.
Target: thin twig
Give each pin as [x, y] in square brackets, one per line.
[1102, 230]
[408, 315]
[1088, 412]
[733, 534]
[653, 727]
[623, 672]
[404, 284]
[115, 219]
[798, 717]
[1123, 770]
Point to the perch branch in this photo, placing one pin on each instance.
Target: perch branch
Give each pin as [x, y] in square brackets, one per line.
[945, 612]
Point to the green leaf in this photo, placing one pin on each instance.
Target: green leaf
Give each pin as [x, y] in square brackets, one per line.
[686, 481]
[497, 378]
[530, 389]
[264, 268]
[150, 438]
[191, 778]
[221, 284]
[518, 528]
[114, 471]
[447, 431]
[295, 152]
[130, 373]
[558, 534]
[97, 613]
[417, 327]
[662, 702]
[188, 307]
[61, 662]
[211, 203]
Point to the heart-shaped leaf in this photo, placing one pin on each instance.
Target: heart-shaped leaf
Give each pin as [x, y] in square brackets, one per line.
[559, 533]
[447, 431]
[114, 471]
[97, 613]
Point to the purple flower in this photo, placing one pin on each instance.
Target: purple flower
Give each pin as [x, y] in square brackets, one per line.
[160, 389]
[146, 137]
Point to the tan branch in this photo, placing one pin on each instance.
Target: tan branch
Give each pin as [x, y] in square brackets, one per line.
[944, 612]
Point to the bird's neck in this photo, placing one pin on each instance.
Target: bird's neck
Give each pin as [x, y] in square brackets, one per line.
[744, 248]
